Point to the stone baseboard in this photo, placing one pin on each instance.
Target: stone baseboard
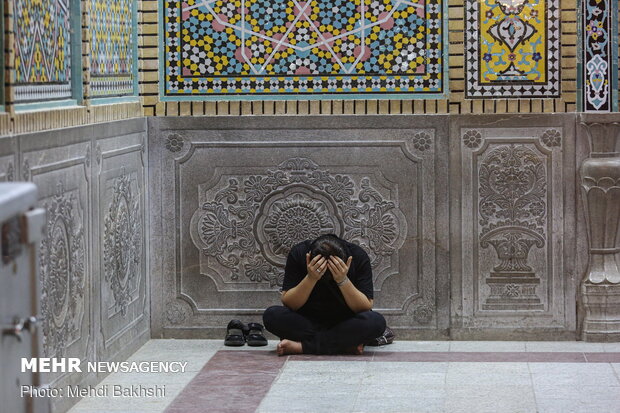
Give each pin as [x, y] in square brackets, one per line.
[601, 305]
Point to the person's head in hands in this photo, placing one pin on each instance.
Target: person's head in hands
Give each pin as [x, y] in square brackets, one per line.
[326, 246]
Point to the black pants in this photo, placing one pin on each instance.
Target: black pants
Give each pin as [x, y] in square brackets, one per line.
[322, 338]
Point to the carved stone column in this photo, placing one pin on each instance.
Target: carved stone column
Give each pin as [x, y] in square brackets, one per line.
[600, 182]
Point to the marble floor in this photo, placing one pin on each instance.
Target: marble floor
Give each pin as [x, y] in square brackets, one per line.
[406, 376]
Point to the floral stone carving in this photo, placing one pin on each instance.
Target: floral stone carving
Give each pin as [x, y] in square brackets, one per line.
[423, 313]
[512, 217]
[62, 266]
[245, 228]
[472, 139]
[293, 216]
[174, 142]
[422, 141]
[551, 138]
[122, 242]
[176, 312]
[600, 184]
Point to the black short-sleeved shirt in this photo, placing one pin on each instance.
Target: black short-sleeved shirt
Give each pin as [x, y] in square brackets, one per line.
[326, 302]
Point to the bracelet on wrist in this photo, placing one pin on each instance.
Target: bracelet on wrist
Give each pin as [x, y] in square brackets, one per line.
[343, 282]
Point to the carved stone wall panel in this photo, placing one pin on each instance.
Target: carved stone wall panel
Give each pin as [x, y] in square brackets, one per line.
[516, 225]
[65, 165]
[238, 199]
[60, 167]
[121, 239]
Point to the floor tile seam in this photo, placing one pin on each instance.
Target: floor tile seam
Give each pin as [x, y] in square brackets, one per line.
[532, 385]
[358, 394]
[616, 372]
[503, 356]
[274, 379]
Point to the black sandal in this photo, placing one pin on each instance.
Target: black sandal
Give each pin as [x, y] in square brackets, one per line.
[255, 337]
[386, 338]
[235, 334]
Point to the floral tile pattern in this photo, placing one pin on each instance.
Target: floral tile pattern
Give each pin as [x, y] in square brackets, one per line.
[42, 50]
[597, 55]
[512, 50]
[111, 60]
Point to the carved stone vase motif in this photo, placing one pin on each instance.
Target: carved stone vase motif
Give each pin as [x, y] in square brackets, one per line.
[512, 210]
[600, 182]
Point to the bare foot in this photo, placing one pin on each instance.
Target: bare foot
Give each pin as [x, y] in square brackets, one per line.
[357, 350]
[288, 347]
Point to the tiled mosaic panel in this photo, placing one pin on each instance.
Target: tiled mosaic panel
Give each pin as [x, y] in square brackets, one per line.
[42, 50]
[513, 51]
[286, 47]
[112, 57]
[597, 35]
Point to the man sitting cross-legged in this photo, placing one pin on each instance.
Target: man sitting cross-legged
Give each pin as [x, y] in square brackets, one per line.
[327, 295]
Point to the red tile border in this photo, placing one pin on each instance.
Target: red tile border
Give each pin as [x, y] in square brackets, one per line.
[556, 357]
[230, 382]
[368, 356]
[603, 357]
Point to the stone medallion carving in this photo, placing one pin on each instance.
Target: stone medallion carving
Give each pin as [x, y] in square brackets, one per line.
[246, 225]
[472, 139]
[551, 138]
[62, 268]
[512, 216]
[176, 312]
[423, 313]
[174, 142]
[122, 242]
[422, 141]
[291, 216]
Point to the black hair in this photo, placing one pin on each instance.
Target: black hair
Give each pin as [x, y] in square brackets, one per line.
[328, 245]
